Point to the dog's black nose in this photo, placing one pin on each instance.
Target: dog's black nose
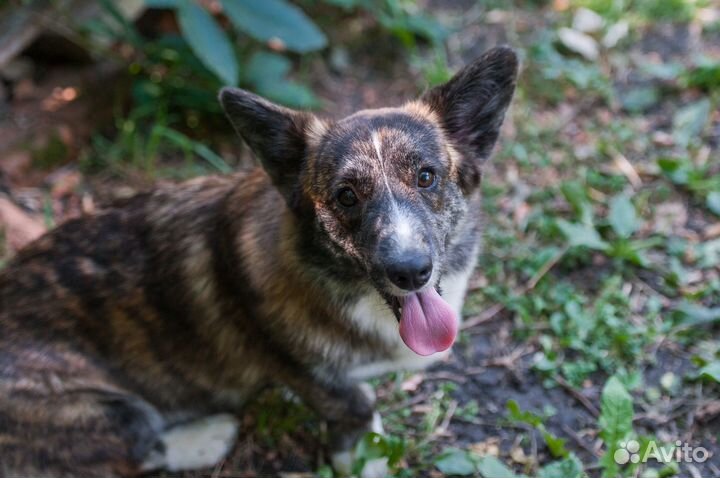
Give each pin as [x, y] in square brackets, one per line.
[411, 271]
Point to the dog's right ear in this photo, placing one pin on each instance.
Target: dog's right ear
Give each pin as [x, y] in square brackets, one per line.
[277, 135]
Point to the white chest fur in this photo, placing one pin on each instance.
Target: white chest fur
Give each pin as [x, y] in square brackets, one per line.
[372, 315]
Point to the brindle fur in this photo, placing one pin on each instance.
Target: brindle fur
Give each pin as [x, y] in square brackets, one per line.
[185, 301]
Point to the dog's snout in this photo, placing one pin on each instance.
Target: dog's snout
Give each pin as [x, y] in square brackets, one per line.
[410, 271]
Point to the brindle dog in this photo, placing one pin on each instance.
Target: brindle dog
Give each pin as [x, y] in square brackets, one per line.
[129, 338]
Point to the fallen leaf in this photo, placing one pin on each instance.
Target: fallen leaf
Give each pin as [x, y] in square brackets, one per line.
[587, 21]
[412, 383]
[615, 34]
[579, 42]
[708, 411]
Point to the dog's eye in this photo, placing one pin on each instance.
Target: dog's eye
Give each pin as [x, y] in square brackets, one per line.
[347, 197]
[426, 178]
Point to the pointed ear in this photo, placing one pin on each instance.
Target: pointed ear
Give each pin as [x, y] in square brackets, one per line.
[274, 133]
[472, 106]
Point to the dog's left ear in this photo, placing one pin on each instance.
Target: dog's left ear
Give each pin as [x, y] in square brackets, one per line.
[277, 135]
[472, 106]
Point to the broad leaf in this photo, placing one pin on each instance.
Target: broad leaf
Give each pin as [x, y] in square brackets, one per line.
[267, 72]
[455, 462]
[491, 467]
[616, 414]
[576, 195]
[209, 42]
[570, 467]
[555, 444]
[711, 371]
[690, 120]
[275, 19]
[622, 216]
[713, 202]
[164, 3]
[522, 416]
[694, 314]
[582, 235]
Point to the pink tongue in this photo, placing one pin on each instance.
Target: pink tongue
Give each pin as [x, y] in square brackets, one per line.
[428, 323]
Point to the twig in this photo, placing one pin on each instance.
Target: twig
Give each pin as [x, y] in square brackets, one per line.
[408, 403]
[578, 396]
[571, 433]
[484, 423]
[442, 429]
[486, 316]
[444, 376]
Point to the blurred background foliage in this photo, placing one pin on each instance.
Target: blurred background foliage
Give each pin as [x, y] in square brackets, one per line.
[179, 64]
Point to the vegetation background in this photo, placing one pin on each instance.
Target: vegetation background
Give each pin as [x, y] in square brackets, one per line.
[593, 316]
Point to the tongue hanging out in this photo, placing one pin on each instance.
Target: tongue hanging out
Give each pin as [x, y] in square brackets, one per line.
[428, 323]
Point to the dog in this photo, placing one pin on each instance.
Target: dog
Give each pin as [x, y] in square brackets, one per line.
[130, 338]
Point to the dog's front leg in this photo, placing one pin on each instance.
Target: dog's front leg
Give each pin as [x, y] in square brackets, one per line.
[349, 410]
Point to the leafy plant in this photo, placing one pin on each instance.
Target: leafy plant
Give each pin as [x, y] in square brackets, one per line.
[457, 462]
[623, 221]
[555, 445]
[569, 467]
[616, 415]
[374, 446]
[699, 180]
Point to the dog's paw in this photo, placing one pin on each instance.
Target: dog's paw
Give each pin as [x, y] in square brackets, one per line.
[199, 444]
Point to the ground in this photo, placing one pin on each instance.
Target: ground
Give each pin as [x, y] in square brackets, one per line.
[602, 237]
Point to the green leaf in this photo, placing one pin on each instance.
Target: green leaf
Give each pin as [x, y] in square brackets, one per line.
[267, 72]
[373, 446]
[640, 99]
[695, 314]
[188, 144]
[264, 66]
[616, 414]
[518, 415]
[582, 235]
[209, 42]
[555, 444]
[163, 3]
[491, 467]
[622, 216]
[690, 120]
[570, 467]
[268, 19]
[576, 194]
[711, 371]
[454, 461]
[713, 202]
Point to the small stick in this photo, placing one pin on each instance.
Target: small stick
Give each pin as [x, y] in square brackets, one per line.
[578, 396]
[579, 440]
[452, 407]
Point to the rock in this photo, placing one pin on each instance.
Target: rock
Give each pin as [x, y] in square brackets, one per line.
[579, 42]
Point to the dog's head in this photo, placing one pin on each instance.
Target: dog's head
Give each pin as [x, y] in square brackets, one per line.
[383, 190]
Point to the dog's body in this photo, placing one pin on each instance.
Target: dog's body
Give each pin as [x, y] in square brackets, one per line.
[128, 338]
